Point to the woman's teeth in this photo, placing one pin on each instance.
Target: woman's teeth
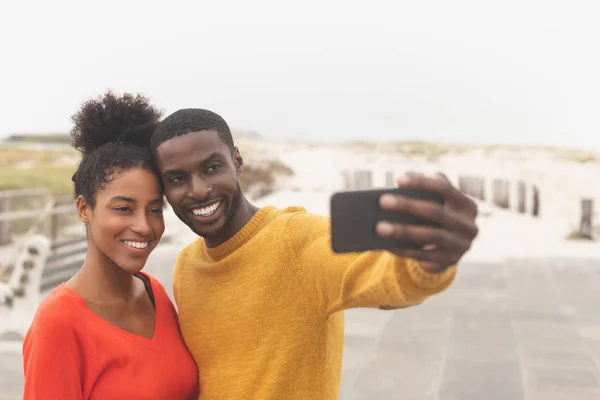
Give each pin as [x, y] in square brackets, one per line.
[136, 245]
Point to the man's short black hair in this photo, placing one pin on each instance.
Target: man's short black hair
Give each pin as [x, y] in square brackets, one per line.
[191, 120]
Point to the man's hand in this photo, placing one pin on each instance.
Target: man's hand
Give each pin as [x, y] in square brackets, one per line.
[442, 247]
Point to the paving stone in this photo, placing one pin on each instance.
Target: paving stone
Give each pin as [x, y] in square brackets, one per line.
[539, 377]
[482, 390]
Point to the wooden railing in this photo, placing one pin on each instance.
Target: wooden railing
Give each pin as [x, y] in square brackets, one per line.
[9, 199]
[66, 257]
[27, 205]
[49, 217]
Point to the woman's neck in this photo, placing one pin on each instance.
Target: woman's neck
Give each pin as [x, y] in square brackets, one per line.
[101, 281]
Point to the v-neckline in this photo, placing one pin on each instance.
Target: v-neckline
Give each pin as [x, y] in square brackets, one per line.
[154, 341]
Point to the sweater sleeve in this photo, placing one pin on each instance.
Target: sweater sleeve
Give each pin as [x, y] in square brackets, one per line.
[52, 358]
[373, 279]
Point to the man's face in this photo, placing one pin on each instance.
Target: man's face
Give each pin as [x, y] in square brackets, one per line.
[200, 177]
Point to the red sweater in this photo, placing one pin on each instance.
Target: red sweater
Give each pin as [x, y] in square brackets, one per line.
[71, 353]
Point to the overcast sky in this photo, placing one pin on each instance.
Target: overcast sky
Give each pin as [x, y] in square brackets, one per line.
[509, 71]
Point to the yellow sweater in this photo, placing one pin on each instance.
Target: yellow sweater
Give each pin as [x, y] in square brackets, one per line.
[261, 312]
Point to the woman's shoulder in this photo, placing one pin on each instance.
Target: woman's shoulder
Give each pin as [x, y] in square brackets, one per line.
[58, 312]
[61, 301]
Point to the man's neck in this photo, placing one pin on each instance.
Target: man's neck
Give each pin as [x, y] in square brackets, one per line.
[243, 215]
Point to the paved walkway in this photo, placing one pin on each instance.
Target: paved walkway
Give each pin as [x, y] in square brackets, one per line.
[524, 329]
[519, 329]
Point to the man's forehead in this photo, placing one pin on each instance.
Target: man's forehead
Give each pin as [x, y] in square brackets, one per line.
[190, 149]
[205, 141]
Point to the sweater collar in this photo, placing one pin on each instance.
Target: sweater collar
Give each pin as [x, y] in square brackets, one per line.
[251, 228]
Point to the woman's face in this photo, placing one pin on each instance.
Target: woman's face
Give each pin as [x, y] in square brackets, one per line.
[126, 223]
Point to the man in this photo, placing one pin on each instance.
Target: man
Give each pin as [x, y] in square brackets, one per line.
[260, 292]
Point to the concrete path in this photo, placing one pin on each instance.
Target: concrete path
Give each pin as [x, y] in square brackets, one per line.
[519, 329]
[524, 329]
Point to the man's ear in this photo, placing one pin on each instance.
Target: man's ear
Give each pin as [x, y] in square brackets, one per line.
[83, 209]
[238, 161]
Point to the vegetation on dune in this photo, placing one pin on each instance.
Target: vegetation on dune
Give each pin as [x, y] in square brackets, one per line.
[429, 150]
[14, 157]
[45, 138]
[560, 153]
[432, 151]
[264, 173]
[21, 168]
[57, 178]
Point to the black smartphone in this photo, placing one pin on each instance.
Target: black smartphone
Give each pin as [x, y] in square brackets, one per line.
[354, 215]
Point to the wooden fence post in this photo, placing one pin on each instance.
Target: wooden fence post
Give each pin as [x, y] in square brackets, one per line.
[347, 179]
[462, 184]
[536, 201]
[501, 195]
[363, 179]
[472, 186]
[4, 225]
[587, 211]
[390, 179]
[521, 197]
[481, 189]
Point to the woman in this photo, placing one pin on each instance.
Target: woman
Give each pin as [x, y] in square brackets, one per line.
[111, 332]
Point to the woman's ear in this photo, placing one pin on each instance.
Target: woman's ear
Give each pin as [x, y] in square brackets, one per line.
[83, 209]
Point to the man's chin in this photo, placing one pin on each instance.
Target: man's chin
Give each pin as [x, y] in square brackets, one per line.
[204, 230]
[207, 230]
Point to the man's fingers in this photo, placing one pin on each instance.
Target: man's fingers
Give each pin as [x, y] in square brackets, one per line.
[420, 208]
[423, 235]
[440, 185]
[416, 180]
[446, 217]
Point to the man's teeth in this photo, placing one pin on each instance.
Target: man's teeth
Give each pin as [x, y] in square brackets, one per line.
[206, 211]
[137, 245]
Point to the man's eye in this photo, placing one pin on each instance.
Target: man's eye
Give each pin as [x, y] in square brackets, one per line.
[122, 209]
[177, 179]
[213, 168]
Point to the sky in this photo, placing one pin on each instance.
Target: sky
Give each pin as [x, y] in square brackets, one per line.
[512, 71]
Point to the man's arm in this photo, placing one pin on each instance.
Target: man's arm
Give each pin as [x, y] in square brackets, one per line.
[374, 279]
[389, 280]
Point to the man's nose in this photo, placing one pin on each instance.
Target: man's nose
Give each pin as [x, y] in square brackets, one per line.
[200, 189]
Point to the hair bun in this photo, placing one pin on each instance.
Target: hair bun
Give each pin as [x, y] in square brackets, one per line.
[129, 119]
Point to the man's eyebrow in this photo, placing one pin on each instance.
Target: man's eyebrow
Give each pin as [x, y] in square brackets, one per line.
[178, 171]
[211, 157]
[174, 172]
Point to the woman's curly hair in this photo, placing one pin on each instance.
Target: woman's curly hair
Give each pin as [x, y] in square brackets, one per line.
[113, 134]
